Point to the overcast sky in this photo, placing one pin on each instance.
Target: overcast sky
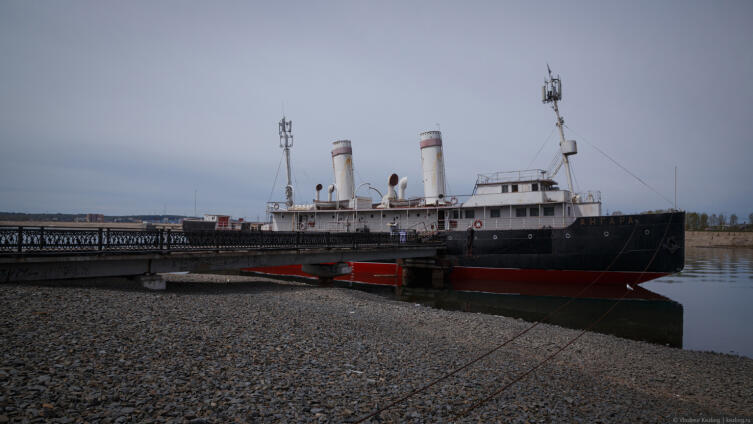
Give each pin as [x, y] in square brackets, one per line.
[126, 107]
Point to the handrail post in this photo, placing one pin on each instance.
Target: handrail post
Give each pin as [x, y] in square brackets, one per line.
[41, 238]
[99, 239]
[161, 243]
[167, 239]
[20, 241]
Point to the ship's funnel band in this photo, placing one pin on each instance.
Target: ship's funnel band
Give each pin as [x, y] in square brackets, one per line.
[342, 151]
[431, 142]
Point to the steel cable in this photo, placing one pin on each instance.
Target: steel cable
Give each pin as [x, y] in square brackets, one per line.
[532, 326]
[521, 376]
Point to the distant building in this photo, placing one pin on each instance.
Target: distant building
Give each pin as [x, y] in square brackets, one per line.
[222, 221]
[95, 217]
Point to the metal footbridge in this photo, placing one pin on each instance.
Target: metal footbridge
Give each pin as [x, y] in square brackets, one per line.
[38, 253]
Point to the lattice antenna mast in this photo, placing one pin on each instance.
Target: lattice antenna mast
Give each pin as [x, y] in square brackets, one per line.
[286, 142]
[551, 92]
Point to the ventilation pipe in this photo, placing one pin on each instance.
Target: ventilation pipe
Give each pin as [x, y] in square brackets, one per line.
[432, 163]
[318, 189]
[342, 163]
[401, 188]
[330, 189]
[391, 183]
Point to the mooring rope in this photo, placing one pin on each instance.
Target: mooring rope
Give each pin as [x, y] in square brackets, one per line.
[521, 376]
[532, 326]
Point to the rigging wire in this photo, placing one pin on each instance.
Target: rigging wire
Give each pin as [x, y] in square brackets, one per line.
[521, 376]
[622, 167]
[541, 148]
[277, 174]
[501, 345]
[577, 185]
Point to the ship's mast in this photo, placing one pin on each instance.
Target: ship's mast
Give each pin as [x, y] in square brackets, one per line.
[552, 93]
[286, 142]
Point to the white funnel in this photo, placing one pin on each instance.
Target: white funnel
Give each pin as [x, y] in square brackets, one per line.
[432, 163]
[342, 163]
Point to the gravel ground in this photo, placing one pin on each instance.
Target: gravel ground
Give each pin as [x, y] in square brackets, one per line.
[246, 349]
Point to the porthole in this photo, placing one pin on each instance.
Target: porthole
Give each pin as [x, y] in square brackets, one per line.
[567, 235]
[606, 233]
[494, 237]
[646, 231]
[530, 236]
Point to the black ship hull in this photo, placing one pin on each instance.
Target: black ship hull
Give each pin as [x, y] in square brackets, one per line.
[607, 250]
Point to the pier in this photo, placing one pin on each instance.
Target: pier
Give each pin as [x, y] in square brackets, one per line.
[34, 254]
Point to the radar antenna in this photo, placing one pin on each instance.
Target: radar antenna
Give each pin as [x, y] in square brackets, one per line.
[286, 142]
[551, 92]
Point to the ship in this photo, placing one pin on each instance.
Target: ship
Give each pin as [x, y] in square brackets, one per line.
[516, 228]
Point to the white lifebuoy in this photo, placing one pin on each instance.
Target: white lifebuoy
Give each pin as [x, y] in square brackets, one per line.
[302, 226]
[276, 206]
[477, 224]
[453, 200]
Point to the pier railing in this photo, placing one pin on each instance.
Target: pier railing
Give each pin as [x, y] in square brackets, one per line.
[40, 240]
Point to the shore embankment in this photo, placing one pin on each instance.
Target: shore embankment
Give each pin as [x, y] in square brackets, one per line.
[247, 349]
[719, 239]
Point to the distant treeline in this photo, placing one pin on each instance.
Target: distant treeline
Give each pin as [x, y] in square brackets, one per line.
[82, 217]
[703, 221]
[718, 222]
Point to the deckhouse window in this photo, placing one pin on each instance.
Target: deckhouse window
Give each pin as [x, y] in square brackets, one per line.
[504, 188]
[494, 213]
[455, 214]
[520, 212]
[533, 211]
[534, 187]
[470, 214]
[548, 210]
[514, 188]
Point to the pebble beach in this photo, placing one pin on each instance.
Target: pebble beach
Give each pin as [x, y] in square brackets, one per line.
[222, 348]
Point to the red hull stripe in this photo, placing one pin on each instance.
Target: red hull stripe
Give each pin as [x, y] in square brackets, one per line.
[477, 279]
[461, 274]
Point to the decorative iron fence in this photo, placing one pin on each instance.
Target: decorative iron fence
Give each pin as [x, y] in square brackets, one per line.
[31, 240]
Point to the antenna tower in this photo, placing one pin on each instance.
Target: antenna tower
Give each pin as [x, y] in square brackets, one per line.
[286, 142]
[551, 92]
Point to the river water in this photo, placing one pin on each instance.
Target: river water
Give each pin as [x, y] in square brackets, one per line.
[708, 306]
[716, 292]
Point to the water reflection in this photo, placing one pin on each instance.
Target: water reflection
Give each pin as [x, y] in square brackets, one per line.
[640, 315]
[716, 291]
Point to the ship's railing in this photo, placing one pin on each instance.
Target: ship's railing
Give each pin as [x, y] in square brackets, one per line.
[40, 240]
[514, 223]
[589, 196]
[512, 176]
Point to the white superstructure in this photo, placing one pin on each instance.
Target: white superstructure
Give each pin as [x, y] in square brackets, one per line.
[526, 199]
